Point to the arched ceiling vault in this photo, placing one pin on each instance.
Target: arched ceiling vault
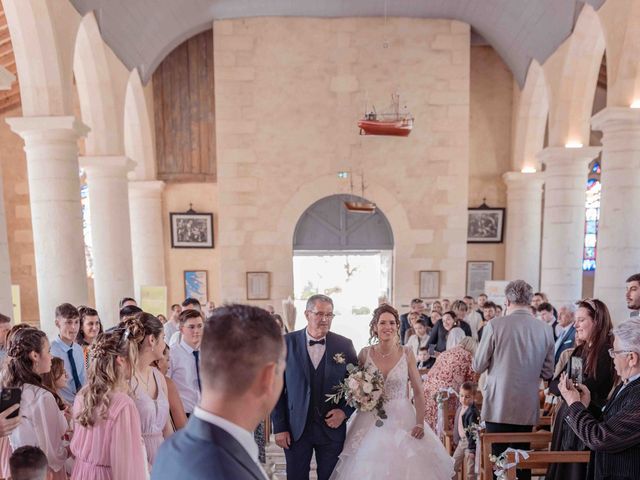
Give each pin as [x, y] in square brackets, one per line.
[143, 32]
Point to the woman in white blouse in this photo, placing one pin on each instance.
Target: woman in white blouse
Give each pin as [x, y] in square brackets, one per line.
[43, 424]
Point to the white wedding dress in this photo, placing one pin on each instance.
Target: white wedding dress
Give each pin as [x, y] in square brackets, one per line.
[390, 452]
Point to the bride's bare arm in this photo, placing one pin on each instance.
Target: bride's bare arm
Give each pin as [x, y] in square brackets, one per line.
[362, 356]
[416, 386]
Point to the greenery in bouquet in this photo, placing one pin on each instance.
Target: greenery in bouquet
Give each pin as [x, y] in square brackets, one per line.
[363, 389]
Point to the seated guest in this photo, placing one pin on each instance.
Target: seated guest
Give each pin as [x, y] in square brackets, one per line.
[43, 424]
[413, 317]
[90, 327]
[420, 338]
[436, 306]
[446, 305]
[107, 441]
[440, 332]
[128, 301]
[488, 314]
[417, 306]
[451, 369]
[28, 463]
[242, 376]
[63, 346]
[422, 358]
[184, 364]
[567, 334]
[467, 415]
[461, 309]
[614, 439]
[593, 328]
[545, 312]
[176, 410]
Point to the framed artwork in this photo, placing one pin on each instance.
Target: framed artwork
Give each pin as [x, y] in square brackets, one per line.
[196, 285]
[429, 284]
[191, 230]
[258, 286]
[478, 272]
[485, 225]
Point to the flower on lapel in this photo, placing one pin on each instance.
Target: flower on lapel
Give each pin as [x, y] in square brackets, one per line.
[339, 358]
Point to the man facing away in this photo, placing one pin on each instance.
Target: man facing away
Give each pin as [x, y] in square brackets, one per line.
[303, 421]
[243, 358]
[516, 350]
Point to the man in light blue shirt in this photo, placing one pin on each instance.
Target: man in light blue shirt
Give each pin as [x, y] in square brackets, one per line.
[63, 346]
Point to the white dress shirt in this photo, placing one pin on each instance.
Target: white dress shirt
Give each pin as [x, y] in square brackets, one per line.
[244, 437]
[317, 351]
[182, 370]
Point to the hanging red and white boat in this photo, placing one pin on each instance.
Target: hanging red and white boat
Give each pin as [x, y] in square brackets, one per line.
[392, 123]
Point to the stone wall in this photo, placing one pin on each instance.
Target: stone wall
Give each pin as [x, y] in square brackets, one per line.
[288, 94]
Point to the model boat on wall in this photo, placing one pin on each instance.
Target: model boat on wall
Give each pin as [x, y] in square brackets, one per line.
[392, 123]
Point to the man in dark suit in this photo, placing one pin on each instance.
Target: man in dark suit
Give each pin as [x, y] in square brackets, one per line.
[303, 422]
[567, 338]
[241, 364]
[614, 441]
[417, 305]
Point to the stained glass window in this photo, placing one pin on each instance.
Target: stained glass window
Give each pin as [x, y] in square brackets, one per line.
[592, 217]
[86, 223]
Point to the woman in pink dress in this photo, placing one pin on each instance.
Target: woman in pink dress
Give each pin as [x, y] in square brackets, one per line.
[148, 386]
[107, 441]
[452, 369]
[42, 423]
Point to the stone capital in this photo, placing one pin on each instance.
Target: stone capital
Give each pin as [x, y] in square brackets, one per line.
[44, 128]
[567, 161]
[146, 188]
[617, 119]
[106, 166]
[523, 180]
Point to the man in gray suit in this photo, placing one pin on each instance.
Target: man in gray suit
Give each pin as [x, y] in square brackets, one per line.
[517, 351]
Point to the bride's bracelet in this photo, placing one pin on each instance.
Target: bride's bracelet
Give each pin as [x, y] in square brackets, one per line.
[421, 427]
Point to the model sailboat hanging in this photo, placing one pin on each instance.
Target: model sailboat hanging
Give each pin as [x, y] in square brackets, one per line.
[392, 122]
[359, 205]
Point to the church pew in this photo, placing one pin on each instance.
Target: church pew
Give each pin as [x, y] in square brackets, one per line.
[538, 440]
[542, 460]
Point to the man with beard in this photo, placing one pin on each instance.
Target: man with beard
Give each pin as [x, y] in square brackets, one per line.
[633, 294]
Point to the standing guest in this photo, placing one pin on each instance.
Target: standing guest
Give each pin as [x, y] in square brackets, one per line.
[176, 410]
[461, 309]
[488, 314]
[633, 295]
[311, 373]
[451, 369]
[436, 306]
[172, 325]
[278, 318]
[163, 319]
[210, 306]
[5, 326]
[539, 298]
[148, 386]
[467, 414]
[129, 311]
[191, 304]
[420, 338]
[63, 346]
[270, 308]
[515, 351]
[482, 299]
[446, 305]
[242, 364]
[546, 313]
[107, 441]
[417, 306]
[43, 424]
[473, 316]
[499, 311]
[28, 463]
[128, 302]
[566, 339]
[55, 380]
[593, 329]
[615, 440]
[90, 327]
[184, 365]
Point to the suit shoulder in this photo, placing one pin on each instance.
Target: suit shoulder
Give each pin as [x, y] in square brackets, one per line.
[336, 336]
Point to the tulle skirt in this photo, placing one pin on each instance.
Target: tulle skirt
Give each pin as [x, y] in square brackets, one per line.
[389, 451]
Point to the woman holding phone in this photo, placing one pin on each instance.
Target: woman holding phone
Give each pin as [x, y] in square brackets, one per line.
[593, 330]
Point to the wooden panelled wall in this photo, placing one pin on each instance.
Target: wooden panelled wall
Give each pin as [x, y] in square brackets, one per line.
[183, 97]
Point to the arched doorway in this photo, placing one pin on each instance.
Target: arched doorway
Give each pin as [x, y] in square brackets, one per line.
[346, 255]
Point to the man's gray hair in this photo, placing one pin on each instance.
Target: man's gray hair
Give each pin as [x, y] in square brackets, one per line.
[628, 335]
[519, 292]
[570, 307]
[318, 298]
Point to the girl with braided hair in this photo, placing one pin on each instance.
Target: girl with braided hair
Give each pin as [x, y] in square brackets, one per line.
[107, 441]
[43, 424]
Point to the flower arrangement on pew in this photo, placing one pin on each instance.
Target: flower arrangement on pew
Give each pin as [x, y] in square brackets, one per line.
[363, 389]
[501, 463]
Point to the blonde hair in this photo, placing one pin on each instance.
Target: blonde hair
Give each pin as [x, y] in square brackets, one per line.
[103, 374]
[469, 344]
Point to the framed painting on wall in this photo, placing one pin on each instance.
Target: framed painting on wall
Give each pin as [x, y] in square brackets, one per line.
[191, 230]
[196, 285]
[258, 286]
[485, 225]
[429, 284]
[478, 272]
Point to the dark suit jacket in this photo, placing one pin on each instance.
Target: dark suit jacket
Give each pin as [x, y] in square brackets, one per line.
[290, 413]
[615, 441]
[203, 451]
[439, 334]
[472, 415]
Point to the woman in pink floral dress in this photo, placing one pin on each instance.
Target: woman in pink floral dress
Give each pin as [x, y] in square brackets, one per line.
[452, 369]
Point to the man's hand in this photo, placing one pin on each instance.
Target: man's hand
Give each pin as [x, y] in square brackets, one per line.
[585, 394]
[335, 418]
[8, 425]
[283, 440]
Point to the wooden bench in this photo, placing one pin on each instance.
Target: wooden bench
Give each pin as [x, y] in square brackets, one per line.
[542, 460]
[537, 440]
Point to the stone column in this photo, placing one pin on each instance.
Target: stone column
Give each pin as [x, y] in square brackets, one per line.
[147, 238]
[110, 232]
[618, 247]
[524, 226]
[51, 146]
[563, 224]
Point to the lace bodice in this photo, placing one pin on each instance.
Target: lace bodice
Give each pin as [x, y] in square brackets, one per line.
[395, 384]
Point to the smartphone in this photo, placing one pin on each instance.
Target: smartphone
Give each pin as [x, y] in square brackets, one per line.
[574, 370]
[8, 398]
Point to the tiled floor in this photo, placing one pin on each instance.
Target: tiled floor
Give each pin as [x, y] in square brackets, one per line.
[276, 464]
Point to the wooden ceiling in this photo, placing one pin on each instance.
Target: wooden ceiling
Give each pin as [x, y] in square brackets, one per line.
[9, 99]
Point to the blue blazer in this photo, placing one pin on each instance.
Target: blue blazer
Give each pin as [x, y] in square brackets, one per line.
[202, 450]
[290, 413]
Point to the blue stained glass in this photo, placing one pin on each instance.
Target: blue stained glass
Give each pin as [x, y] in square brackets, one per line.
[592, 216]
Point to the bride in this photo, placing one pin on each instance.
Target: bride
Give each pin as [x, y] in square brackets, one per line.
[404, 447]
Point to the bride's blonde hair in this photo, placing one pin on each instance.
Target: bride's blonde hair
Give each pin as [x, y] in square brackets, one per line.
[384, 308]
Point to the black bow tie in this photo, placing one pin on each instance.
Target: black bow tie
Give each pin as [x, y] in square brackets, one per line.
[316, 342]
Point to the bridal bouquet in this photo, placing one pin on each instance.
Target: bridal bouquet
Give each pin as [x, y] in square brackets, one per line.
[363, 390]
